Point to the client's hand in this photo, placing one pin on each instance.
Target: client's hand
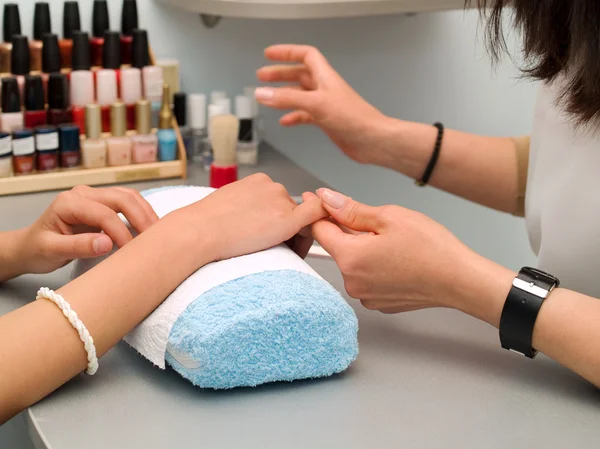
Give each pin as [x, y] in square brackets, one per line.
[252, 215]
[71, 227]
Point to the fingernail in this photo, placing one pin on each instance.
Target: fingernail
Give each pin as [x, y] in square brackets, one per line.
[333, 199]
[320, 191]
[101, 245]
[264, 93]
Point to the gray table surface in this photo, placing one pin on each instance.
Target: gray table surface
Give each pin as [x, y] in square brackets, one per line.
[429, 379]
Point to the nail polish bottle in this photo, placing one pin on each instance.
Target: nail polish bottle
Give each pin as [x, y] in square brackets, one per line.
[247, 149]
[225, 103]
[145, 144]
[12, 27]
[93, 148]
[170, 68]
[167, 139]
[118, 145]
[180, 110]
[111, 55]
[20, 60]
[50, 59]
[199, 138]
[100, 25]
[46, 147]
[23, 147]
[82, 79]
[70, 145]
[129, 22]
[214, 110]
[217, 95]
[35, 108]
[59, 111]
[41, 26]
[106, 92]
[258, 122]
[152, 76]
[71, 23]
[131, 92]
[12, 117]
[5, 154]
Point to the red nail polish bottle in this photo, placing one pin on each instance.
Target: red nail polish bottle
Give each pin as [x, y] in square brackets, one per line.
[35, 110]
[58, 106]
[71, 23]
[82, 78]
[129, 22]
[100, 24]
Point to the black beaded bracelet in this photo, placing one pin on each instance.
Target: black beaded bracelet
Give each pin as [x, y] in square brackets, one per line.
[424, 180]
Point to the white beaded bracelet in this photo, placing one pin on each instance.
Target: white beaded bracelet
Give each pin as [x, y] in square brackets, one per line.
[84, 335]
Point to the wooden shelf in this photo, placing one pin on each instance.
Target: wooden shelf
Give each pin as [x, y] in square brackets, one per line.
[311, 9]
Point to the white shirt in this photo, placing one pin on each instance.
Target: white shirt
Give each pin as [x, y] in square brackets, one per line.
[563, 195]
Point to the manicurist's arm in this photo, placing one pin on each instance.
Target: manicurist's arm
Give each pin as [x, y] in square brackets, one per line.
[480, 169]
[39, 350]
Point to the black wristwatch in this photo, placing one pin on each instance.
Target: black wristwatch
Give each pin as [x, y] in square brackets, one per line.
[529, 290]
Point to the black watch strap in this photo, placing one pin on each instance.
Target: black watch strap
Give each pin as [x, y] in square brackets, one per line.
[529, 290]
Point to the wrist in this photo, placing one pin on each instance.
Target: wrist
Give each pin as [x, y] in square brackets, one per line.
[15, 258]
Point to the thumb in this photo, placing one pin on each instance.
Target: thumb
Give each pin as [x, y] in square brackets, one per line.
[82, 246]
[352, 214]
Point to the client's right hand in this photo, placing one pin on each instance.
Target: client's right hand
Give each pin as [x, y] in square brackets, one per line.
[249, 216]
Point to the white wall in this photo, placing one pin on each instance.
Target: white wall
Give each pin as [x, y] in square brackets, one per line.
[424, 68]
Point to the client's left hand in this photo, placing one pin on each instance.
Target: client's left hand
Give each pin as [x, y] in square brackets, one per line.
[392, 259]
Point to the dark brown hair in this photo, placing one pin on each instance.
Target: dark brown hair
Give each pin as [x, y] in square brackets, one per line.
[560, 37]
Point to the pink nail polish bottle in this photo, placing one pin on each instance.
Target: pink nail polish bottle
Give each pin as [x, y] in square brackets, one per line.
[131, 92]
[82, 78]
[145, 144]
[118, 145]
[106, 93]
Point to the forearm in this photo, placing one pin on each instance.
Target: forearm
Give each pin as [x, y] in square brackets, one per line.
[39, 350]
[477, 168]
[566, 329]
[11, 254]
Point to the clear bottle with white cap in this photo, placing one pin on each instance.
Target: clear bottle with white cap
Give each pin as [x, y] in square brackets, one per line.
[197, 120]
[258, 119]
[214, 110]
[247, 148]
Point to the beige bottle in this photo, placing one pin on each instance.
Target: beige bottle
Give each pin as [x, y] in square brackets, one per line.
[118, 145]
[93, 148]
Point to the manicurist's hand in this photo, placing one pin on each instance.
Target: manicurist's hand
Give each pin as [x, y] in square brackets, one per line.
[318, 95]
[82, 222]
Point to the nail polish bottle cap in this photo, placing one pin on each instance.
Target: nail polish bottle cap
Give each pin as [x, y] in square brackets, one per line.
[118, 119]
[180, 108]
[11, 97]
[71, 19]
[20, 55]
[243, 107]
[34, 93]
[12, 21]
[143, 117]
[217, 95]
[68, 135]
[226, 103]
[57, 91]
[81, 51]
[106, 87]
[140, 56]
[50, 54]
[216, 109]
[41, 21]
[100, 21]
[129, 17]
[197, 111]
[93, 121]
[166, 116]
[111, 50]
[131, 86]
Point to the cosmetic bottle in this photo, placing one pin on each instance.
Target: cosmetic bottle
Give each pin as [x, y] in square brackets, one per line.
[170, 69]
[100, 25]
[71, 23]
[111, 54]
[247, 149]
[152, 76]
[129, 22]
[12, 117]
[50, 59]
[199, 137]
[82, 79]
[12, 27]
[214, 110]
[35, 108]
[180, 110]
[59, 111]
[217, 95]
[41, 26]
[258, 121]
[46, 147]
[145, 144]
[23, 147]
[93, 148]
[224, 131]
[131, 92]
[6, 154]
[167, 139]
[20, 60]
[70, 145]
[106, 93]
[118, 145]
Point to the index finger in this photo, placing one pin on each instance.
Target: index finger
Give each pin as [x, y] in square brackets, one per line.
[309, 56]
